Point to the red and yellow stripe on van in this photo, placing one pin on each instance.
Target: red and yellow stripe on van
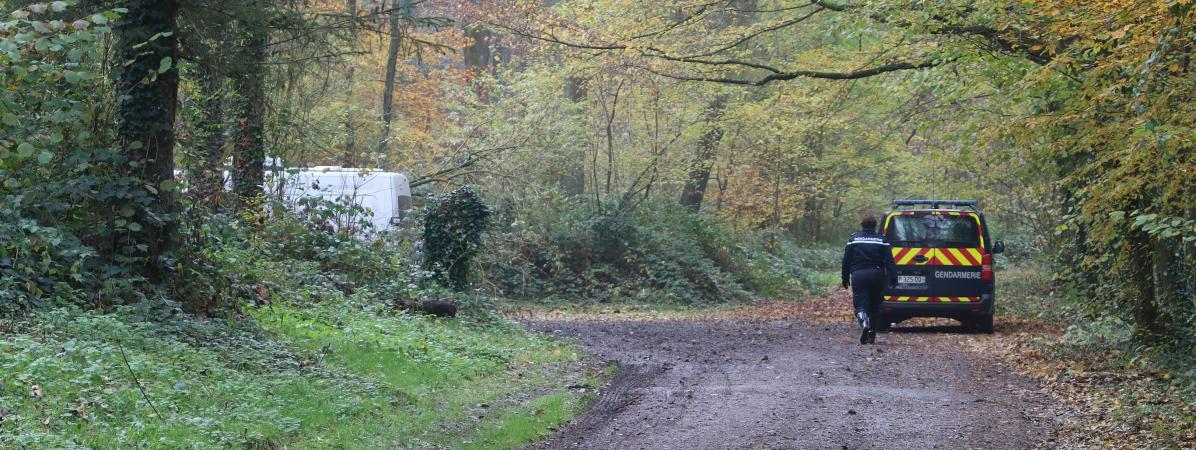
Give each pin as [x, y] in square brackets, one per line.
[916, 299]
[904, 256]
[958, 256]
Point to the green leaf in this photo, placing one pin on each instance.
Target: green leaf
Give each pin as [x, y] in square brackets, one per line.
[165, 65]
[44, 157]
[134, 227]
[10, 119]
[127, 211]
[24, 150]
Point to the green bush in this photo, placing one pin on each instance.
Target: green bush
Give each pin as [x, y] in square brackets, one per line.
[37, 263]
[65, 206]
[553, 246]
[292, 257]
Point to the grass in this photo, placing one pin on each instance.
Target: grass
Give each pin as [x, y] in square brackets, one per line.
[521, 427]
[311, 377]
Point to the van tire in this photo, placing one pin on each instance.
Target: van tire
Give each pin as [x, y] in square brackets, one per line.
[883, 323]
[981, 325]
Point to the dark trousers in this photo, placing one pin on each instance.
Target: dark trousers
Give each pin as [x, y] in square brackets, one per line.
[866, 293]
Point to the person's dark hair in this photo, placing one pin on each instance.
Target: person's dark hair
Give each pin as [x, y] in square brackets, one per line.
[868, 222]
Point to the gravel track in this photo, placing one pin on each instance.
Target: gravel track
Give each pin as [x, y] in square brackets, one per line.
[698, 384]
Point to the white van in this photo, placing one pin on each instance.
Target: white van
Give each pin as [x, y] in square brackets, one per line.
[386, 194]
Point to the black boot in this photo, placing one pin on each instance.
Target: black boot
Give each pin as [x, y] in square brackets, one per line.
[865, 328]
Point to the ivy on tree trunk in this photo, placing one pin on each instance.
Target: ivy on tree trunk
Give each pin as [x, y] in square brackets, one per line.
[146, 80]
[249, 146]
[208, 149]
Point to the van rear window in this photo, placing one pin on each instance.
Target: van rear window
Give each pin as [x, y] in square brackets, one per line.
[933, 231]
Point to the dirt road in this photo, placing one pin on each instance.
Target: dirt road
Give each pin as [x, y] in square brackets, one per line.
[698, 384]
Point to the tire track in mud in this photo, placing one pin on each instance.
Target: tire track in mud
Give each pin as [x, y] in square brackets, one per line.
[695, 384]
[619, 393]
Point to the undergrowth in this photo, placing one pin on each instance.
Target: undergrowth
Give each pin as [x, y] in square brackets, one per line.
[1109, 390]
[318, 376]
[279, 332]
[556, 248]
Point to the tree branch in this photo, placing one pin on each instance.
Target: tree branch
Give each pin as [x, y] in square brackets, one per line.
[1023, 44]
[783, 76]
[755, 34]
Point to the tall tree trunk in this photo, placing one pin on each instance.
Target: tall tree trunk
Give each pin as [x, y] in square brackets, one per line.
[350, 157]
[694, 190]
[698, 176]
[1168, 271]
[208, 157]
[249, 147]
[392, 67]
[478, 54]
[775, 220]
[572, 180]
[145, 109]
[816, 202]
[1188, 250]
[1144, 308]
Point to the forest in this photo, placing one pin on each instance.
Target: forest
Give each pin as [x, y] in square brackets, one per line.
[565, 158]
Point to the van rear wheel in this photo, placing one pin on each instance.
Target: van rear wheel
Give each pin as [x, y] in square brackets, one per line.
[883, 323]
[981, 325]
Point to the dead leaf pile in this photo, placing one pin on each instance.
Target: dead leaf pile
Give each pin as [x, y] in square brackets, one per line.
[831, 309]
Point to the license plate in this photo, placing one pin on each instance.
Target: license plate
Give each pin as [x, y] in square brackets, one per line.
[911, 279]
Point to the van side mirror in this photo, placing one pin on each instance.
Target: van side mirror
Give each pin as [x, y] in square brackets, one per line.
[998, 247]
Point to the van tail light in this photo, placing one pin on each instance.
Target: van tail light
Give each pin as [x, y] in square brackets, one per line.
[986, 268]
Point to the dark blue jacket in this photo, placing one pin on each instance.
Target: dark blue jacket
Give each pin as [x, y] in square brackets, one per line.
[868, 250]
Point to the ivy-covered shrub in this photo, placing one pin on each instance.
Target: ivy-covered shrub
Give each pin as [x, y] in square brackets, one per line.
[453, 227]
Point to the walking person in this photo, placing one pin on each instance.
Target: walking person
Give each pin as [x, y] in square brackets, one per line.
[867, 267]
